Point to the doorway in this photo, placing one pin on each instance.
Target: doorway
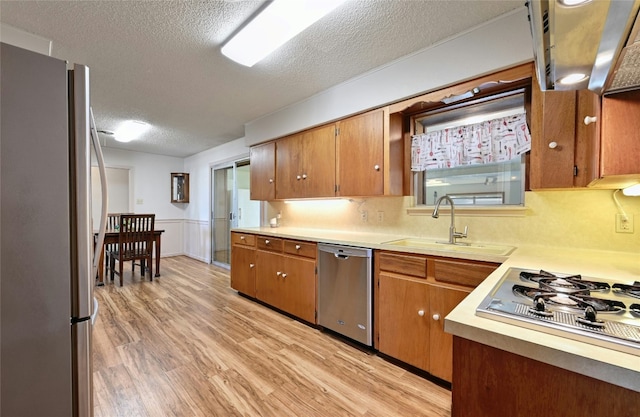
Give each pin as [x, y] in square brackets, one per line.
[231, 207]
[118, 192]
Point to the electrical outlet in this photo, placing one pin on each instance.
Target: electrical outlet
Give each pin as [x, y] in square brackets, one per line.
[364, 216]
[624, 223]
[380, 216]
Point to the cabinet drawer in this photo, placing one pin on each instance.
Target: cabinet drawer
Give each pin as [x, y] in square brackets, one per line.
[306, 249]
[270, 243]
[243, 239]
[404, 264]
[466, 273]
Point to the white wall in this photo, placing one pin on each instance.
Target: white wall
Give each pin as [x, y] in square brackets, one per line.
[497, 44]
[197, 225]
[150, 192]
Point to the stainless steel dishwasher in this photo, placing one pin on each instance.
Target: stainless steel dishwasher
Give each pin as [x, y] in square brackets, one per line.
[344, 291]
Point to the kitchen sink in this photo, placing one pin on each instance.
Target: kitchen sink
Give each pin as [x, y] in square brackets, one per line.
[477, 248]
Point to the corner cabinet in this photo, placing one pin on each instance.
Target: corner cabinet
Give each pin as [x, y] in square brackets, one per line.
[414, 295]
[243, 261]
[263, 172]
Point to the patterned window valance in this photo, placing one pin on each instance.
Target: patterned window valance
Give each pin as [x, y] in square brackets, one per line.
[495, 140]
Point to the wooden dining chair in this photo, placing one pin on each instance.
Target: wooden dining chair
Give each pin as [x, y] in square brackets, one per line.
[135, 242]
[113, 223]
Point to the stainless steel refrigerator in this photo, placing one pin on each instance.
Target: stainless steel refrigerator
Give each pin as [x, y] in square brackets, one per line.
[47, 269]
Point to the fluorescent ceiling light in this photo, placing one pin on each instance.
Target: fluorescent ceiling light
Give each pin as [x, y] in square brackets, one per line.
[275, 25]
[130, 130]
[633, 190]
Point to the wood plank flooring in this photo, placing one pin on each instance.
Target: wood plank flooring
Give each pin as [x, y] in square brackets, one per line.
[186, 344]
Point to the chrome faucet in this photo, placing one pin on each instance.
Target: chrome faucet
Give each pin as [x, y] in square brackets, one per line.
[453, 235]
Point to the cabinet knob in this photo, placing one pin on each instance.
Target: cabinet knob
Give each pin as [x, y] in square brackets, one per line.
[436, 317]
[266, 242]
[553, 145]
[284, 275]
[421, 313]
[304, 176]
[298, 177]
[241, 237]
[590, 119]
[278, 273]
[270, 180]
[251, 265]
[297, 247]
[376, 167]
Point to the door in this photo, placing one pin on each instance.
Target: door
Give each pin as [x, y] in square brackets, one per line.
[231, 207]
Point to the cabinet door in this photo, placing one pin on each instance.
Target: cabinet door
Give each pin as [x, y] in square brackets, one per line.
[553, 136]
[360, 153]
[298, 296]
[243, 271]
[263, 172]
[442, 302]
[289, 167]
[403, 319]
[268, 272]
[620, 134]
[319, 162]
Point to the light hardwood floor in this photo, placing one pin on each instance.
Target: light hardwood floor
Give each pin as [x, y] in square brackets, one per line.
[186, 344]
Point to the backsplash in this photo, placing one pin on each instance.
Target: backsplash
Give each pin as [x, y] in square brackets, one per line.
[578, 218]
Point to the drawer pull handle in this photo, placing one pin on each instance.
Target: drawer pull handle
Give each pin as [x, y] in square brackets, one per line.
[304, 176]
[297, 247]
[251, 265]
[284, 275]
[436, 317]
[421, 313]
[266, 242]
[278, 273]
[590, 119]
[241, 237]
[298, 177]
[553, 145]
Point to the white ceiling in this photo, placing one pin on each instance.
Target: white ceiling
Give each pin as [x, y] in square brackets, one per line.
[160, 61]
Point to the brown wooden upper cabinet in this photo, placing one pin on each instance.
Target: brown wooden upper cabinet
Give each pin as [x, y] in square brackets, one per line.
[306, 164]
[620, 134]
[359, 156]
[565, 133]
[263, 172]
[369, 150]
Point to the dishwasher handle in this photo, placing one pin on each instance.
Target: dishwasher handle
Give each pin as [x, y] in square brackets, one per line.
[341, 256]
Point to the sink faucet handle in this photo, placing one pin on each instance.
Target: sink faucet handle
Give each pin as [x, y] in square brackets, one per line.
[463, 234]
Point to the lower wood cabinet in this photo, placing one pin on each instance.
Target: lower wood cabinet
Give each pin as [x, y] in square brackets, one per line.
[279, 272]
[414, 295]
[489, 382]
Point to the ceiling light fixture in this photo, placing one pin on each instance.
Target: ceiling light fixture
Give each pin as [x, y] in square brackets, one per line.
[130, 130]
[276, 24]
[573, 78]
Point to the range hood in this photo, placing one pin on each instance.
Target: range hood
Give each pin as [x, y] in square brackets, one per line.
[597, 38]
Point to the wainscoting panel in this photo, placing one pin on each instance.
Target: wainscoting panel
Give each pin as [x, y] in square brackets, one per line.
[198, 240]
[172, 238]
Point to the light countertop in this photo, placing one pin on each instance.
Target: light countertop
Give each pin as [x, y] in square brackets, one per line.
[619, 368]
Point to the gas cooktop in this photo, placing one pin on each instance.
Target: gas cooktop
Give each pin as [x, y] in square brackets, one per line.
[598, 311]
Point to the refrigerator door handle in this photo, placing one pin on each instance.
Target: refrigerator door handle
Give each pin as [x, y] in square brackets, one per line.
[103, 186]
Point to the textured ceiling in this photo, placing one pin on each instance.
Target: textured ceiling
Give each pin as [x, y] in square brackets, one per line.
[160, 61]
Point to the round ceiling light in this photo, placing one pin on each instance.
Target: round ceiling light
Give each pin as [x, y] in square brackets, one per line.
[573, 78]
